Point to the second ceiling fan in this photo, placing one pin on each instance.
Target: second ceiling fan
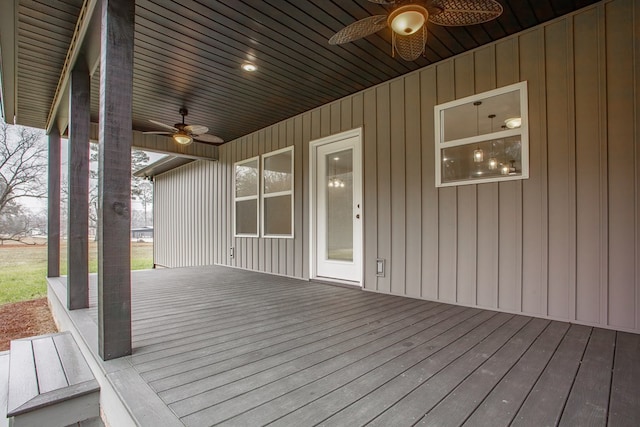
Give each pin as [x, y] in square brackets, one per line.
[408, 21]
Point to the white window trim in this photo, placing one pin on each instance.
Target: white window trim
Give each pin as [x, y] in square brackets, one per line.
[243, 198]
[523, 131]
[290, 192]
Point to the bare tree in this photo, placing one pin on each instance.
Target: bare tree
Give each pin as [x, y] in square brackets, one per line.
[23, 165]
[143, 193]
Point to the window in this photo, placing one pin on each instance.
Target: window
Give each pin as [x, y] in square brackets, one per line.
[269, 193]
[277, 193]
[483, 138]
[246, 182]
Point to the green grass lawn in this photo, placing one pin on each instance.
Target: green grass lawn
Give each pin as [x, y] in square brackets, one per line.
[23, 268]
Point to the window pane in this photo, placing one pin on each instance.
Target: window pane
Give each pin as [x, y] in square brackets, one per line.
[277, 172]
[247, 179]
[277, 215]
[487, 159]
[246, 217]
[340, 205]
[466, 120]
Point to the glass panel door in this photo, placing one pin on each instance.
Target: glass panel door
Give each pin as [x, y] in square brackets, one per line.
[337, 214]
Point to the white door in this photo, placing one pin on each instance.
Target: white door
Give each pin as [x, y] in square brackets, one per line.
[336, 191]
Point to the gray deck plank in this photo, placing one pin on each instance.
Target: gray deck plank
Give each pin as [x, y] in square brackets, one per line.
[226, 301]
[544, 405]
[215, 389]
[461, 402]
[427, 395]
[501, 405]
[258, 348]
[23, 383]
[355, 352]
[387, 395]
[260, 339]
[262, 327]
[75, 366]
[374, 396]
[299, 405]
[158, 328]
[272, 314]
[240, 320]
[209, 298]
[588, 402]
[624, 406]
[289, 350]
[48, 365]
[215, 344]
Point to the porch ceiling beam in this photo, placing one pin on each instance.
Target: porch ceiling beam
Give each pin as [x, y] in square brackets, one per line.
[85, 42]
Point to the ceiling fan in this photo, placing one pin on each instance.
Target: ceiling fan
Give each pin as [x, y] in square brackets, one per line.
[185, 134]
[408, 22]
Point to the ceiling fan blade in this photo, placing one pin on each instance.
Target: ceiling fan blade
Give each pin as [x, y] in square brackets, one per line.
[196, 129]
[163, 125]
[359, 29]
[383, 1]
[412, 46]
[466, 12]
[159, 132]
[208, 138]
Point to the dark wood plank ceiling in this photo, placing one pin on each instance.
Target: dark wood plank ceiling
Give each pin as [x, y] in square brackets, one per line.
[189, 54]
[43, 32]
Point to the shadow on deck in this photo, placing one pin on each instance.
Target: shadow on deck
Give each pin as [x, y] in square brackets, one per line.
[215, 345]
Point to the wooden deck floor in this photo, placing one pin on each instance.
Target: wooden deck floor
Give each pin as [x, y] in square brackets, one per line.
[224, 346]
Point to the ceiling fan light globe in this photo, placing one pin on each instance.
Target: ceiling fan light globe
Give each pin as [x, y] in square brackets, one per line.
[408, 19]
[182, 139]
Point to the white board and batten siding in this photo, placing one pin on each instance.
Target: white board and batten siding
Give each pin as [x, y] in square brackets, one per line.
[563, 244]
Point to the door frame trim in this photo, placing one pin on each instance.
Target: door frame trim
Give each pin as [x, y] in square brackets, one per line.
[313, 146]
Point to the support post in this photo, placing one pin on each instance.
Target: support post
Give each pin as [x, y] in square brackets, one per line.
[53, 206]
[78, 176]
[114, 179]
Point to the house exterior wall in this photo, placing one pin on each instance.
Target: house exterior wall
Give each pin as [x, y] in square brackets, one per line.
[563, 244]
[183, 216]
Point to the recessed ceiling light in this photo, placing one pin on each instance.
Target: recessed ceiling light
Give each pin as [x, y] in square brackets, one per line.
[247, 66]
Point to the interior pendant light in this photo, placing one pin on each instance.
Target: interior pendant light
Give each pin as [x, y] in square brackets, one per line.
[493, 162]
[335, 182]
[478, 154]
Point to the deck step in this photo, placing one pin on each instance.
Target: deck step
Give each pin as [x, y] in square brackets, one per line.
[50, 382]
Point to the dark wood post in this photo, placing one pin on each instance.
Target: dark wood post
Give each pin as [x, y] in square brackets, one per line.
[78, 212]
[114, 182]
[53, 206]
